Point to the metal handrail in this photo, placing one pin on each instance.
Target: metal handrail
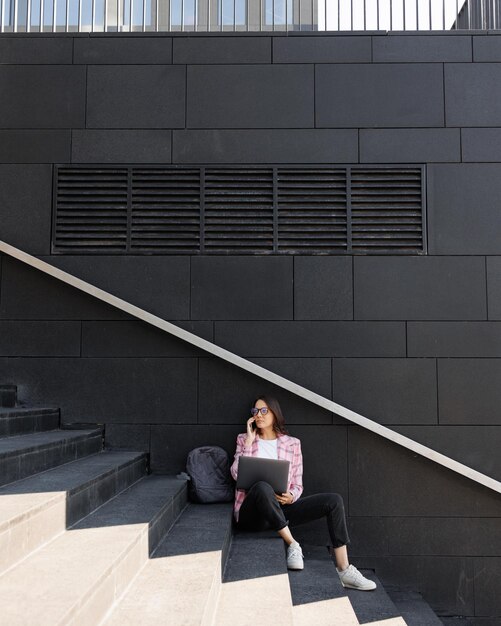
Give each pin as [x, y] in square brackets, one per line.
[252, 368]
[247, 15]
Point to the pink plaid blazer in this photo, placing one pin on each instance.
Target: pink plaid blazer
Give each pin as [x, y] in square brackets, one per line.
[288, 448]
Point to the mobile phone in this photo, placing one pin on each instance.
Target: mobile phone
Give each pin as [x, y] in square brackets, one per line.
[254, 425]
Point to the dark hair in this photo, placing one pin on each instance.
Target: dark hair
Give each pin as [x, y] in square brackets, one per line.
[273, 404]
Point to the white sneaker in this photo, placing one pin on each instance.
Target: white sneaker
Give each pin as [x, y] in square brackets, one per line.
[353, 579]
[295, 556]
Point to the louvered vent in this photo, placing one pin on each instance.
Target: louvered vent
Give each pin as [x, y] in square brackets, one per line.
[91, 210]
[238, 210]
[386, 209]
[165, 210]
[312, 210]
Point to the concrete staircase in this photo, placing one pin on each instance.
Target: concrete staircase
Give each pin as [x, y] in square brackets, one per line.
[88, 538]
[76, 522]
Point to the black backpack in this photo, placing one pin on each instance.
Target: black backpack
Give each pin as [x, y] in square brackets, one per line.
[208, 469]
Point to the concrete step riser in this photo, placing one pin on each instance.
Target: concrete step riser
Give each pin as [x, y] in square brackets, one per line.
[8, 395]
[26, 534]
[15, 466]
[80, 503]
[22, 424]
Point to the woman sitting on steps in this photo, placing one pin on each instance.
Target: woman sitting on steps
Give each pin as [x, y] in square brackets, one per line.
[260, 508]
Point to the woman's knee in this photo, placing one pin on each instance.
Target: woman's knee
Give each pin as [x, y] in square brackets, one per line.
[335, 501]
[264, 489]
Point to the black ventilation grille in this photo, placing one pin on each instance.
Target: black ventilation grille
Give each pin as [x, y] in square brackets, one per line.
[239, 210]
[312, 210]
[386, 210]
[91, 210]
[165, 211]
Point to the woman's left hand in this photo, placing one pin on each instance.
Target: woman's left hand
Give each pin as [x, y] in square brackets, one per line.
[285, 498]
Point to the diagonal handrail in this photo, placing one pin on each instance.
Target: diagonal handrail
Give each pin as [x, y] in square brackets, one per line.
[252, 368]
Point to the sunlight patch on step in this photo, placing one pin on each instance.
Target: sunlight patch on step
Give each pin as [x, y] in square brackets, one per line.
[173, 587]
[392, 621]
[334, 611]
[266, 599]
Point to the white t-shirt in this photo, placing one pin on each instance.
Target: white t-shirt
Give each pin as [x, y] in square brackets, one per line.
[267, 448]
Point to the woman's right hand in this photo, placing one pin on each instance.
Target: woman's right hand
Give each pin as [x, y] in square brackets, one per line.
[251, 432]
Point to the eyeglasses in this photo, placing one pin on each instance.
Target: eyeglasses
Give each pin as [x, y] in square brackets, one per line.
[262, 410]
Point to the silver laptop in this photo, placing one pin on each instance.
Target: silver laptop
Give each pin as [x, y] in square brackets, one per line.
[252, 469]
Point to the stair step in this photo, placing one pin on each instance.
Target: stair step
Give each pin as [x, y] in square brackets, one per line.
[76, 577]
[21, 420]
[8, 395]
[318, 597]
[181, 582]
[25, 455]
[36, 509]
[256, 569]
[414, 609]
[374, 606]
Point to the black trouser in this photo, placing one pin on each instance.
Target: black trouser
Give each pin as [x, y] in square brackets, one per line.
[261, 511]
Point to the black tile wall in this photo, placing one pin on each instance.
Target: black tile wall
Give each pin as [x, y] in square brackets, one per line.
[312, 339]
[487, 48]
[27, 294]
[323, 288]
[121, 146]
[127, 436]
[160, 285]
[25, 201]
[454, 339]
[398, 49]
[36, 50]
[135, 96]
[35, 146]
[250, 96]
[265, 146]
[108, 390]
[472, 92]
[322, 50]
[226, 393]
[386, 95]
[217, 50]
[481, 144]
[442, 536]
[427, 288]
[36, 338]
[446, 583]
[389, 391]
[384, 478]
[463, 214]
[171, 443]
[487, 572]
[241, 288]
[475, 446]
[123, 50]
[138, 339]
[494, 287]
[469, 391]
[410, 145]
[325, 454]
[42, 96]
